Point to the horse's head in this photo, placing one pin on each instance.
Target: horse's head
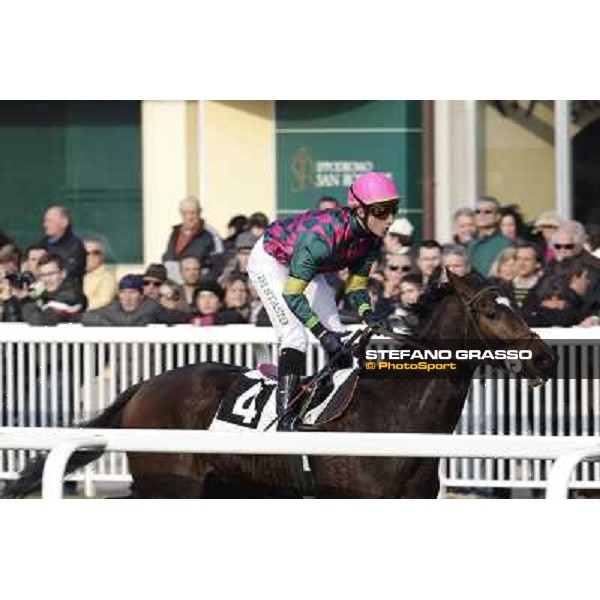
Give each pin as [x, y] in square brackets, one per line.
[494, 319]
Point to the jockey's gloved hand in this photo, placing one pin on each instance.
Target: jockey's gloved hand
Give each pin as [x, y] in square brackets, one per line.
[333, 346]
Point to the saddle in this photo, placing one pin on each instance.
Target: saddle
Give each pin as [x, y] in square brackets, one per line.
[319, 401]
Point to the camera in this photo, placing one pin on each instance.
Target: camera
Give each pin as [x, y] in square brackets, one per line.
[20, 281]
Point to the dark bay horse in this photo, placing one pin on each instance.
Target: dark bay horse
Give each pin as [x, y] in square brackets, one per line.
[462, 309]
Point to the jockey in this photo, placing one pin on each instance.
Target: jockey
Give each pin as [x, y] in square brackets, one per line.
[287, 264]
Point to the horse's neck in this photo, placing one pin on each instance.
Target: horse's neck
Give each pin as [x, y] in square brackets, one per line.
[449, 321]
[436, 402]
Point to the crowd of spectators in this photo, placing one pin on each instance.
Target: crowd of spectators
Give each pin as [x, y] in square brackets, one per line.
[547, 268]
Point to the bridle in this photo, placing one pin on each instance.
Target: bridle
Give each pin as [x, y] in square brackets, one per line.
[470, 306]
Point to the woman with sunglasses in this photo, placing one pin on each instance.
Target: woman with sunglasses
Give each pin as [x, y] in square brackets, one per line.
[287, 267]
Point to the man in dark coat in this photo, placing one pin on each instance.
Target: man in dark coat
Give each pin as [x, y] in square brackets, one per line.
[191, 237]
[132, 308]
[61, 240]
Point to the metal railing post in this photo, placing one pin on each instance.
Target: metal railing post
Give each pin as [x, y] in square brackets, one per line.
[557, 487]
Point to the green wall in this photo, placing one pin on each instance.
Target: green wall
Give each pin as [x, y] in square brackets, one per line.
[323, 145]
[84, 154]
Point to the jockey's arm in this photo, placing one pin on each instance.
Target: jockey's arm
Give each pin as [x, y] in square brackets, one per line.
[356, 284]
[308, 256]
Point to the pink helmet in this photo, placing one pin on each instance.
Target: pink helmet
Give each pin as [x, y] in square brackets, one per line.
[372, 188]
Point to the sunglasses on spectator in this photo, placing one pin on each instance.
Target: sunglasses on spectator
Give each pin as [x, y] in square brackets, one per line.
[403, 268]
[169, 297]
[382, 211]
[564, 246]
[152, 282]
[485, 211]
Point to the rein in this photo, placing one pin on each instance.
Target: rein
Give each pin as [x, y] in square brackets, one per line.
[361, 337]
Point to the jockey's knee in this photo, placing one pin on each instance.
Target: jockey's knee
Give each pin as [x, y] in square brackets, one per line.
[292, 361]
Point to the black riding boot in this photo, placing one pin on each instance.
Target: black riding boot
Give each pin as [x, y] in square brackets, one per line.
[287, 388]
[291, 365]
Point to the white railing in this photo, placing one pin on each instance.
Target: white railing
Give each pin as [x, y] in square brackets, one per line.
[50, 376]
[62, 443]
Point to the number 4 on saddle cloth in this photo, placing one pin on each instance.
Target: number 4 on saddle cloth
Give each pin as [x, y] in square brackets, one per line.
[250, 405]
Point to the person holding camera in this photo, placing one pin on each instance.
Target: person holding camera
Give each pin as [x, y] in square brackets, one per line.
[54, 299]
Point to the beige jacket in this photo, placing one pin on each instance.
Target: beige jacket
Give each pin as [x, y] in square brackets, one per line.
[100, 287]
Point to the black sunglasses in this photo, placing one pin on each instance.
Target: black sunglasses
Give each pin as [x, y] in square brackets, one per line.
[153, 283]
[382, 211]
[404, 268]
[484, 211]
[564, 246]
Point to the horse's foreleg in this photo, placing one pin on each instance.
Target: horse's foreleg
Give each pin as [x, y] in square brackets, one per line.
[157, 475]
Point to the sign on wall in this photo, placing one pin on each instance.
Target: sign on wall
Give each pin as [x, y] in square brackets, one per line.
[322, 146]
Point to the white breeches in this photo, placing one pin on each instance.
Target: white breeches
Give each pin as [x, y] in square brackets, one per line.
[268, 277]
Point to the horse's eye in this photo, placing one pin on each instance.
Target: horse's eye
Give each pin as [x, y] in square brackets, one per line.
[491, 315]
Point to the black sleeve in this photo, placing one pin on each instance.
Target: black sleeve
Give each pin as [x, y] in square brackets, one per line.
[11, 311]
[80, 261]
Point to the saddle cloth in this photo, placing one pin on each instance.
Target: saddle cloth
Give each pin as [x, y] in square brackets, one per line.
[250, 404]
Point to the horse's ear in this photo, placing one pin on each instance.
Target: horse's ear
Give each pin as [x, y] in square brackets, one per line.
[451, 278]
[460, 285]
[436, 278]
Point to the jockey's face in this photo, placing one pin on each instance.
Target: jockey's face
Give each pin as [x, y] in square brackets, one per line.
[378, 219]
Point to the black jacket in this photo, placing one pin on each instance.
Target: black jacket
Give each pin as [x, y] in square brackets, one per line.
[71, 249]
[65, 305]
[201, 245]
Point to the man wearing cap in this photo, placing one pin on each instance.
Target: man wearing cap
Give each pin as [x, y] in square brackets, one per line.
[545, 226]
[399, 237]
[208, 301]
[132, 308]
[489, 242]
[239, 264]
[154, 277]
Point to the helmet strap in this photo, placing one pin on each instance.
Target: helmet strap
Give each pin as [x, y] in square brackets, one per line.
[362, 222]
